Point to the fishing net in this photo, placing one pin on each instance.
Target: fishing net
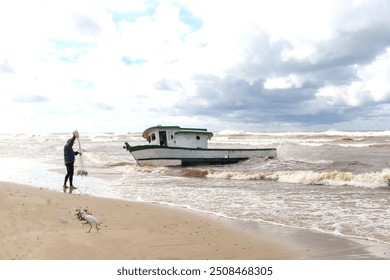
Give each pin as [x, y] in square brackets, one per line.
[81, 170]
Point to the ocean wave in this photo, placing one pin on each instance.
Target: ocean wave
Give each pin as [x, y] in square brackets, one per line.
[384, 145]
[359, 139]
[332, 178]
[118, 164]
[333, 133]
[340, 144]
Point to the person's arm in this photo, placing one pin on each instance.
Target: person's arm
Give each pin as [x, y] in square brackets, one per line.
[70, 142]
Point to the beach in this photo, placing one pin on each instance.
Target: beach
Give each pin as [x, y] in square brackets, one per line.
[324, 197]
[40, 224]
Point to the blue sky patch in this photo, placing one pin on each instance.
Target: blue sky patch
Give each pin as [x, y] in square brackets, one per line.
[83, 84]
[69, 51]
[190, 19]
[132, 16]
[128, 61]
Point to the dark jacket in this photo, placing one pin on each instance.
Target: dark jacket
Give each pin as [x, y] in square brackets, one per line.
[68, 151]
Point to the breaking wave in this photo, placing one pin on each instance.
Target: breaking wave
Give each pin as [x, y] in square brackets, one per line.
[331, 178]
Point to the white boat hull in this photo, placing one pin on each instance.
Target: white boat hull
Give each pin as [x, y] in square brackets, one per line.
[150, 155]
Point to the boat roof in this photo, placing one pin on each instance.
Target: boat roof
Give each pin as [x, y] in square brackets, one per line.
[178, 130]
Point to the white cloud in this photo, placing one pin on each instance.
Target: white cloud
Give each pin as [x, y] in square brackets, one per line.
[299, 52]
[376, 77]
[110, 59]
[291, 81]
[372, 85]
[343, 95]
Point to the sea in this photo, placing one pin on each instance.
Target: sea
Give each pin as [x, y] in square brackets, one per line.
[334, 182]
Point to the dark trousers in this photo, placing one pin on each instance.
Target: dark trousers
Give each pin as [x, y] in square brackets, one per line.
[69, 173]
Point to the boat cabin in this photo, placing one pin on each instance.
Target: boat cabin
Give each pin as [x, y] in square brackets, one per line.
[175, 136]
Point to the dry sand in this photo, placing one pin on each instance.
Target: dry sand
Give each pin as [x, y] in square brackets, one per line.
[41, 224]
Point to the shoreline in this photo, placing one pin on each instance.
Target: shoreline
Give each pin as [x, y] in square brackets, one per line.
[40, 224]
[318, 245]
[155, 231]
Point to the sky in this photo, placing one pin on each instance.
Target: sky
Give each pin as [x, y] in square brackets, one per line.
[125, 65]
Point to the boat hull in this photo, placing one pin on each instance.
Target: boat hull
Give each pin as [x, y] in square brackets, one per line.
[152, 155]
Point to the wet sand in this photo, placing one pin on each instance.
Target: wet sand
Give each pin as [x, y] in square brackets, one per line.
[40, 224]
[319, 246]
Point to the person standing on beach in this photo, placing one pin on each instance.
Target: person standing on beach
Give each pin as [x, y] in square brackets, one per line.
[69, 158]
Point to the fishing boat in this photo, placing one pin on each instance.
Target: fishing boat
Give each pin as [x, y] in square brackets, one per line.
[176, 146]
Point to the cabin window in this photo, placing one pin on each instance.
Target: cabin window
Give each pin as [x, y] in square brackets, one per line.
[171, 136]
[197, 137]
[153, 136]
[149, 139]
[163, 138]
